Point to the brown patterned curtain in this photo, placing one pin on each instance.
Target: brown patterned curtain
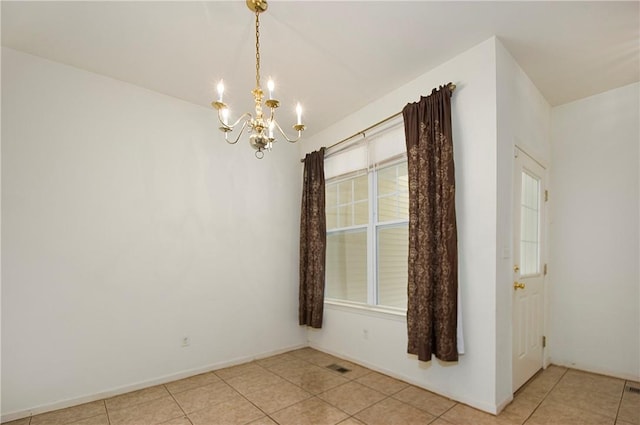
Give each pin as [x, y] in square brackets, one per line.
[433, 253]
[313, 241]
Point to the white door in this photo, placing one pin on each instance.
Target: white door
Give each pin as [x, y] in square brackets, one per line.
[528, 269]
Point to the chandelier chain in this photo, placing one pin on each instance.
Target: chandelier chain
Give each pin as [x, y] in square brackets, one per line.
[257, 49]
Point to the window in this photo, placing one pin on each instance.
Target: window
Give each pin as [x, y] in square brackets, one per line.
[367, 236]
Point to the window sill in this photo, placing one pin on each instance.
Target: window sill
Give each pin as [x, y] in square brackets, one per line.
[366, 309]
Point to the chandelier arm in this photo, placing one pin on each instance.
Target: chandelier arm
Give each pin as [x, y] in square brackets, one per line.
[228, 127]
[225, 127]
[275, 123]
[226, 133]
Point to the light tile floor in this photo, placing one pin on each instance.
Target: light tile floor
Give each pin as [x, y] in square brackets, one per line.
[296, 388]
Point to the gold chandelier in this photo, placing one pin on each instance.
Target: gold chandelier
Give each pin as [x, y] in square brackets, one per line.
[261, 129]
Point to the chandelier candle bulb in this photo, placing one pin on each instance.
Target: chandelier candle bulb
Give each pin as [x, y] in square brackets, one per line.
[220, 91]
[299, 113]
[270, 86]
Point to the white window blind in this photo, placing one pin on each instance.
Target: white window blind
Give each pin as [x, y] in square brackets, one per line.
[375, 147]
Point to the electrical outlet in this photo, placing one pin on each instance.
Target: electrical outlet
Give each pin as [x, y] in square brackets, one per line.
[186, 341]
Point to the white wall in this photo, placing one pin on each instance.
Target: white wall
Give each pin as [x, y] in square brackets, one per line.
[472, 379]
[595, 284]
[524, 120]
[128, 224]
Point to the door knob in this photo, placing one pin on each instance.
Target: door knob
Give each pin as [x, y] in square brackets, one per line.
[518, 285]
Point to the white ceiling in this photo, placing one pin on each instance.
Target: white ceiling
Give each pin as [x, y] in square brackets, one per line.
[333, 57]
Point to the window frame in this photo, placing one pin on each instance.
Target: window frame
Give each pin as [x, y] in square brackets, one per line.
[372, 229]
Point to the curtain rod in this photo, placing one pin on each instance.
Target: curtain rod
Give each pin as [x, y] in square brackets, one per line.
[451, 86]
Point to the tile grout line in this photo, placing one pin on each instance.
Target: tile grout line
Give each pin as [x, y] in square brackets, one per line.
[545, 396]
[104, 401]
[455, 403]
[624, 387]
[176, 401]
[242, 395]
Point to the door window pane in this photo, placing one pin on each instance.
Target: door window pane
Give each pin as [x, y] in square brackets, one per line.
[529, 225]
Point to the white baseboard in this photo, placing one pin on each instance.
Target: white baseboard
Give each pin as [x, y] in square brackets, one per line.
[140, 385]
[597, 370]
[502, 405]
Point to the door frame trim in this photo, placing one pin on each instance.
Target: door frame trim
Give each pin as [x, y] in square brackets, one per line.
[546, 361]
